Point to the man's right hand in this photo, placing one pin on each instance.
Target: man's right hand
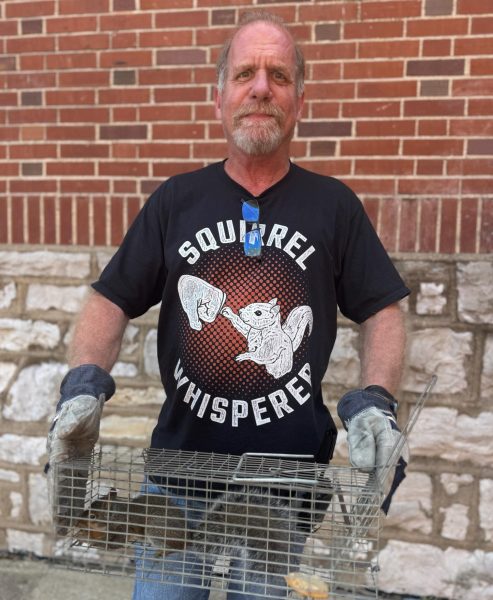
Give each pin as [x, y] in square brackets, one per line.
[75, 428]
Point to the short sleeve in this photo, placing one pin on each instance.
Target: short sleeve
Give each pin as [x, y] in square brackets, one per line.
[368, 280]
[134, 278]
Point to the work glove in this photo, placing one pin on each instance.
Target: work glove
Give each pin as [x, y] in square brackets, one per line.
[369, 416]
[75, 430]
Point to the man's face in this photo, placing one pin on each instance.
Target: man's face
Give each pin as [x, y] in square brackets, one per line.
[259, 105]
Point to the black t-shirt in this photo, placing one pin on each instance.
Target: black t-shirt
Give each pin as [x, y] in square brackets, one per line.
[243, 343]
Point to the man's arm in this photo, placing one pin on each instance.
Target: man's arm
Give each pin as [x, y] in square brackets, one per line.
[98, 333]
[383, 342]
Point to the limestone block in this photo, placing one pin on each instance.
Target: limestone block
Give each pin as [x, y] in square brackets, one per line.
[444, 433]
[44, 263]
[486, 508]
[59, 297]
[39, 507]
[10, 476]
[34, 394]
[431, 300]
[475, 292]
[439, 351]
[411, 505]
[22, 541]
[123, 369]
[128, 397]
[15, 505]
[130, 342]
[7, 370]
[426, 570]
[456, 521]
[22, 449]
[103, 257]
[8, 294]
[115, 428]
[487, 372]
[151, 364]
[17, 335]
[344, 365]
[451, 482]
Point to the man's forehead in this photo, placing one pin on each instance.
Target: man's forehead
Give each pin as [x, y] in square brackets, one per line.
[260, 39]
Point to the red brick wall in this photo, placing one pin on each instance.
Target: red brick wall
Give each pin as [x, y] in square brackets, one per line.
[100, 100]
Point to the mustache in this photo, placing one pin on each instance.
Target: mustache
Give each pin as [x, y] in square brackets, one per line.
[260, 109]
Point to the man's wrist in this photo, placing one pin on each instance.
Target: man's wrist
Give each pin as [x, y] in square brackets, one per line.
[356, 401]
[86, 380]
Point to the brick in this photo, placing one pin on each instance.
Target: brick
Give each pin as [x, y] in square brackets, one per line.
[70, 132]
[473, 45]
[31, 26]
[325, 129]
[432, 127]
[33, 115]
[124, 114]
[476, 186]
[440, 47]
[84, 150]
[481, 66]
[429, 87]
[385, 128]
[186, 56]
[133, 96]
[322, 91]
[119, 22]
[437, 67]
[223, 16]
[158, 4]
[388, 224]
[7, 63]
[124, 150]
[414, 108]
[324, 110]
[373, 30]
[470, 166]
[408, 225]
[84, 79]
[71, 25]
[437, 27]
[396, 8]
[124, 77]
[473, 87]
[333, 11]
[159, 39]
[82, 220]
[29, 9]
[84, 185]
[468, 224]
[325, 71]
[205, 150]
[482, 25]
[484, 146]
[33, 133]
[330, 52]
[435, 8]
[128, 58]
[67, 168]
[448, 229]
[432, 147]
[84, 7]
[384, 167]
[429, 187]
[49, 218]
[328, 31]
[3, 221]
[427, 240]
[32, 151]
[486, 229]
[84, 115]
[372, 147]
[124, 40]
[484, 106]
[31, 98]
[123, 132]
[471, 127]
[373, 70]
[85, 42]
[322, 148]
[70, 97]
[123, 168]
[66, 221]
[31, 169]
[181, 94]
[386, 48]
[192, 18]
[133, 208]
[31, 45]
[67, 61]
[372, 209]
[469, 7]
[17, 220]
[32, 62]
[166, 113]
[32, 186]
[33, 221]
[386, 89]
[370, 109]
[170, 150]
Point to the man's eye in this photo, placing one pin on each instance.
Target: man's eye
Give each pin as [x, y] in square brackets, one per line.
[279, 76]
[244, 74]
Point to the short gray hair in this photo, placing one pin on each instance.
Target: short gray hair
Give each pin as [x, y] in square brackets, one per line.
[264, 17]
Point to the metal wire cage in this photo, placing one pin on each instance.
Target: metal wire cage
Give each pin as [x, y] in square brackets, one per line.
[265, 526]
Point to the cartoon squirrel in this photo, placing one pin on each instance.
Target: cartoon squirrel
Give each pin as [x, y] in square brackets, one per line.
[270, 342]
[250, 525]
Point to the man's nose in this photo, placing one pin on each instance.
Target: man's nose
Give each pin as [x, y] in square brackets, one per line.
[261, 89]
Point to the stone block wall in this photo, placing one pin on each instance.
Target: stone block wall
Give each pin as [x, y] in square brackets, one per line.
[439, 535]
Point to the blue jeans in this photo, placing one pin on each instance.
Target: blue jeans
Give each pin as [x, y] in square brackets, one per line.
[186, 575]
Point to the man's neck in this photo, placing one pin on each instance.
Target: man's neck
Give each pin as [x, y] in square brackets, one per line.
[256, 173]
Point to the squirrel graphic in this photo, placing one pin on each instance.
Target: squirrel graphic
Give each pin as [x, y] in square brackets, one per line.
[250, 524]
[270, 342]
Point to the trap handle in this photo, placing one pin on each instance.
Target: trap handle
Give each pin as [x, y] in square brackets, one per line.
[270, 472]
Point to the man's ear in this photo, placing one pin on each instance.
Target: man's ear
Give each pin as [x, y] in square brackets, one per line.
[217, 102]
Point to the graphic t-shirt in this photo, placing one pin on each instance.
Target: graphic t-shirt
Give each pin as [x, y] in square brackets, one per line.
[243, 343]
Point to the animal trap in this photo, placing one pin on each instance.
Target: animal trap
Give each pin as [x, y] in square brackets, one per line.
[265, 526]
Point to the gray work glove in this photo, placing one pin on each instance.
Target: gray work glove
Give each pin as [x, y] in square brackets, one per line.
[369, 417]
[75, 430]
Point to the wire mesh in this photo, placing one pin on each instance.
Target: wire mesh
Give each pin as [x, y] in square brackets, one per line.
[261, 525]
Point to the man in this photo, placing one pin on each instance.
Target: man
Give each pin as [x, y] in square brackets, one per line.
[250, 259]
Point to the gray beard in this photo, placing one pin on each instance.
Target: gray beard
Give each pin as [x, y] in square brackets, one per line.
[259, 139]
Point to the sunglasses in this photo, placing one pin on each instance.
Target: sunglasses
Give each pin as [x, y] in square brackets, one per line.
[253, 237]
